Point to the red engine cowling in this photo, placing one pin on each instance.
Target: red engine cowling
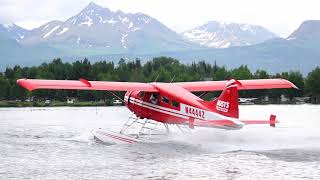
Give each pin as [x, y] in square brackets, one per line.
[134, 102]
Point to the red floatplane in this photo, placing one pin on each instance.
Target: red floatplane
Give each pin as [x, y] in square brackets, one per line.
[170, 103]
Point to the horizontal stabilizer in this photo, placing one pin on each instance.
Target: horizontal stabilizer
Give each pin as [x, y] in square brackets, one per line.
[272, 121]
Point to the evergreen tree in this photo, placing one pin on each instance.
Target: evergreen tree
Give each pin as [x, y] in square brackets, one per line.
[313, 82]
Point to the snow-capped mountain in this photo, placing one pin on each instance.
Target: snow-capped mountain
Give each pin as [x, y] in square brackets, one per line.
[97, 30]
[113, 31]
[38, 35]
[223, 35]
[13, 31]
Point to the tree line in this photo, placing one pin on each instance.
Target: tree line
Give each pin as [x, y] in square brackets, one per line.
[160, 69]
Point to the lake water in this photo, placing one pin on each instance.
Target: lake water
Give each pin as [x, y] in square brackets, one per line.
[56, 143]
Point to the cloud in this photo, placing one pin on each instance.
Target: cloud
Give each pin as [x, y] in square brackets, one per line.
[33, 11]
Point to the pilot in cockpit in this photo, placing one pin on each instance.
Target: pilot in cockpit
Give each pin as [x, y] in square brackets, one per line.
[154, 98]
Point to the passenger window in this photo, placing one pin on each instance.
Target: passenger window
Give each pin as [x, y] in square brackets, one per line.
[175, 103]
[165, 99]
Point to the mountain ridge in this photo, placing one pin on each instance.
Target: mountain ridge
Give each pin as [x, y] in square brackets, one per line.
[223, 35]
[112, 31]
[100, 33]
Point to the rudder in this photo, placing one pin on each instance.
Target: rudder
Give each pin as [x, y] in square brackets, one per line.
[227, 103]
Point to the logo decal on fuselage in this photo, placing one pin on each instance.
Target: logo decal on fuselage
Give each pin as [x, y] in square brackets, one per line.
[222, 106]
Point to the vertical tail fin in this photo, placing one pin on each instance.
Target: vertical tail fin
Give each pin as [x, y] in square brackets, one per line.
[227, 103]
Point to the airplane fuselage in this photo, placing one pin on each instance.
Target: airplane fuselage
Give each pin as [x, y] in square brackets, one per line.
[164, 108]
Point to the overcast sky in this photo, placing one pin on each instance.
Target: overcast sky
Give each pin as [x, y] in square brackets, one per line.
[279, 16]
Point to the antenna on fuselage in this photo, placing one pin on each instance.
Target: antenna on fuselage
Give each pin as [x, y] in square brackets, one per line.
[156, 78]
[172, 78]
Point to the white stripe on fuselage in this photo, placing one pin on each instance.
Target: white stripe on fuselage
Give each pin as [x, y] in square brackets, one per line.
[159, 110]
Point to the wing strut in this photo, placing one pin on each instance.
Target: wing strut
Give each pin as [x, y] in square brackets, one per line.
[112, 93]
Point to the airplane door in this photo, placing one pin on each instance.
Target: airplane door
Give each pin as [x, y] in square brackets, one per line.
[138, 106]
[146, 99]
[135, 102]
[142, 97]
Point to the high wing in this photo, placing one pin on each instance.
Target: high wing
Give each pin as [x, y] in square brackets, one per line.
[245, 85]
[82, 84]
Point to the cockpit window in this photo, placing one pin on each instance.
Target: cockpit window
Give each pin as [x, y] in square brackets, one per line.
[141, 94]
[154, 98]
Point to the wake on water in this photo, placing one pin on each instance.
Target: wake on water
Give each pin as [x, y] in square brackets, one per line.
[254, 138]
[280, 144]
[298, 128]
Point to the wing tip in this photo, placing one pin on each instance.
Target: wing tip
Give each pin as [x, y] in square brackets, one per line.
[24, 83]
[290, 84]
